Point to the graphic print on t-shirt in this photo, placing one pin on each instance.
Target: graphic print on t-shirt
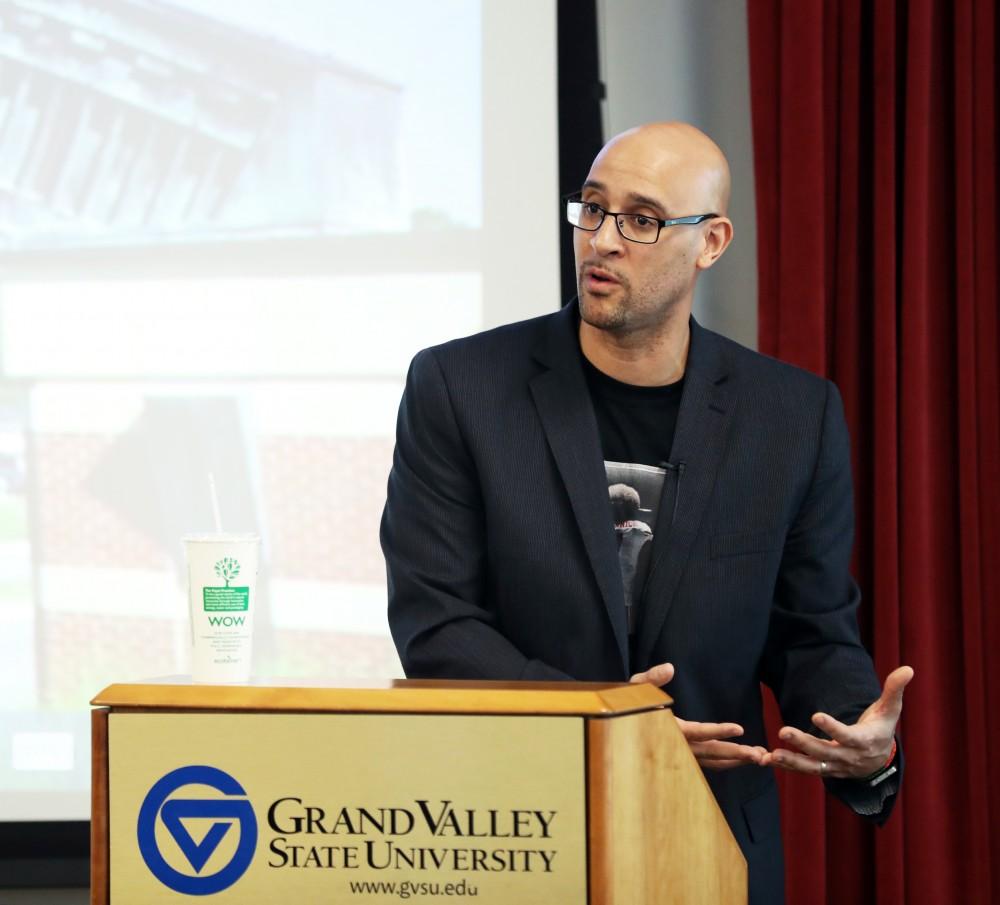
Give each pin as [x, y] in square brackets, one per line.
[635, 498]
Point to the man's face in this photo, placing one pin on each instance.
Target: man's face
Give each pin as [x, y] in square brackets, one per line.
[625, 286]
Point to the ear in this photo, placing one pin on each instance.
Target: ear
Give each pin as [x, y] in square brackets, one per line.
[717, 236]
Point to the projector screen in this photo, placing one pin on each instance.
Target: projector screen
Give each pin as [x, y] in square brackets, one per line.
[225, 228]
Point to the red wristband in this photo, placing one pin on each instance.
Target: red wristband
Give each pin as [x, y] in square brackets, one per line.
[883, 771]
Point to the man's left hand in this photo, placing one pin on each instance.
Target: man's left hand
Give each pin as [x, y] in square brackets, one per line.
[853, 752]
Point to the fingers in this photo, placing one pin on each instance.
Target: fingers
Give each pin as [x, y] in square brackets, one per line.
[838, 731]
[800, 763]
[857, 752]
[722, 764]
[717, 755]
[708, 747]
[704, 732]
[713, 753]
[869, 737]
[655, 675]
[806, 743]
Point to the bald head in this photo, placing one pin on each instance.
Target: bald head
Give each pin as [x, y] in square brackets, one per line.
[635, 293]
[688, 168]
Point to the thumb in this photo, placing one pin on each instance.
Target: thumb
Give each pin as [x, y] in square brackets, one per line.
[890, 702]
[895, 683]
[655, 675]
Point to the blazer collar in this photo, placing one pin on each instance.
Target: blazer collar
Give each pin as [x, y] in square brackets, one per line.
[563, 401]
[700, 439]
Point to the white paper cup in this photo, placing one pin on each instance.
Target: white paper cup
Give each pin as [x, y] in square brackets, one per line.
[222, 589]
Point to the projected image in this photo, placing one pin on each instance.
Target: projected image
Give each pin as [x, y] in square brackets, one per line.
[125, 121]
[111, 570]
[224, 232]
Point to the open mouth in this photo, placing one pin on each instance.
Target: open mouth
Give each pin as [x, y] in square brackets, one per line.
[599, 278]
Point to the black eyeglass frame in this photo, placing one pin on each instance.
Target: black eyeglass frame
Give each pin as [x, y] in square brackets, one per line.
[690, 220]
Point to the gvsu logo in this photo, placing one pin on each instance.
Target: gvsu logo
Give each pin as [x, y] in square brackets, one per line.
[224, 813]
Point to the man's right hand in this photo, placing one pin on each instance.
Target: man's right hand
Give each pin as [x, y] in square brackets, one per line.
[707, 740]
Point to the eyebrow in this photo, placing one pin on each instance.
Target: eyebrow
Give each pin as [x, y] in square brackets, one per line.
[634, 197]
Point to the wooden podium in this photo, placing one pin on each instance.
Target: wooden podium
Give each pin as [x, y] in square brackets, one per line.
[564, 793]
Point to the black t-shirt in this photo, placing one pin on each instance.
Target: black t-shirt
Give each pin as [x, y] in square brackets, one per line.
[636, 423]
[636, 426]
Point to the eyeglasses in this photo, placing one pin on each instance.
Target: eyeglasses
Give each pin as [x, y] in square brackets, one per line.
[634, 227]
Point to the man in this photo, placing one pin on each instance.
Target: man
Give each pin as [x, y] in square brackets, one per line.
[634, 536]
[499, 536]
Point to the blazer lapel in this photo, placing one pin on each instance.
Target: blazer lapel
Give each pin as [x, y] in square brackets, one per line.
[700, 438]
[563, 402]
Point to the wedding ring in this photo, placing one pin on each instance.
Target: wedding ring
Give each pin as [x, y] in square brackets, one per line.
[822, 767]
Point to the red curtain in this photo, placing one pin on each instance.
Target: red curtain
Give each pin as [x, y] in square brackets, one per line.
[875, 135]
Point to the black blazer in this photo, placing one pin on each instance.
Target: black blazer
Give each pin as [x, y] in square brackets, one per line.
[502, 559]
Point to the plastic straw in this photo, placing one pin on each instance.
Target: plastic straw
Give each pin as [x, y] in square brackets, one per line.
[215, 502]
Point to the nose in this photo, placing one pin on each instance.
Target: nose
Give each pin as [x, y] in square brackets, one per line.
[606, 239]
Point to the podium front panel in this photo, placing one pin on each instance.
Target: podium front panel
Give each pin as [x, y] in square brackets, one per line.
[355, 808]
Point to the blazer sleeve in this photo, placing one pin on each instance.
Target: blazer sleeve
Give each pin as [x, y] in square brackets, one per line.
[434, 537]
[814, 659]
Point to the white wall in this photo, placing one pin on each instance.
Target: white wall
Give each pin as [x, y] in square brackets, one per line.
[689, 60]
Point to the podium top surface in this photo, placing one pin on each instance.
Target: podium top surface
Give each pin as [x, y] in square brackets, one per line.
[595, 699]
